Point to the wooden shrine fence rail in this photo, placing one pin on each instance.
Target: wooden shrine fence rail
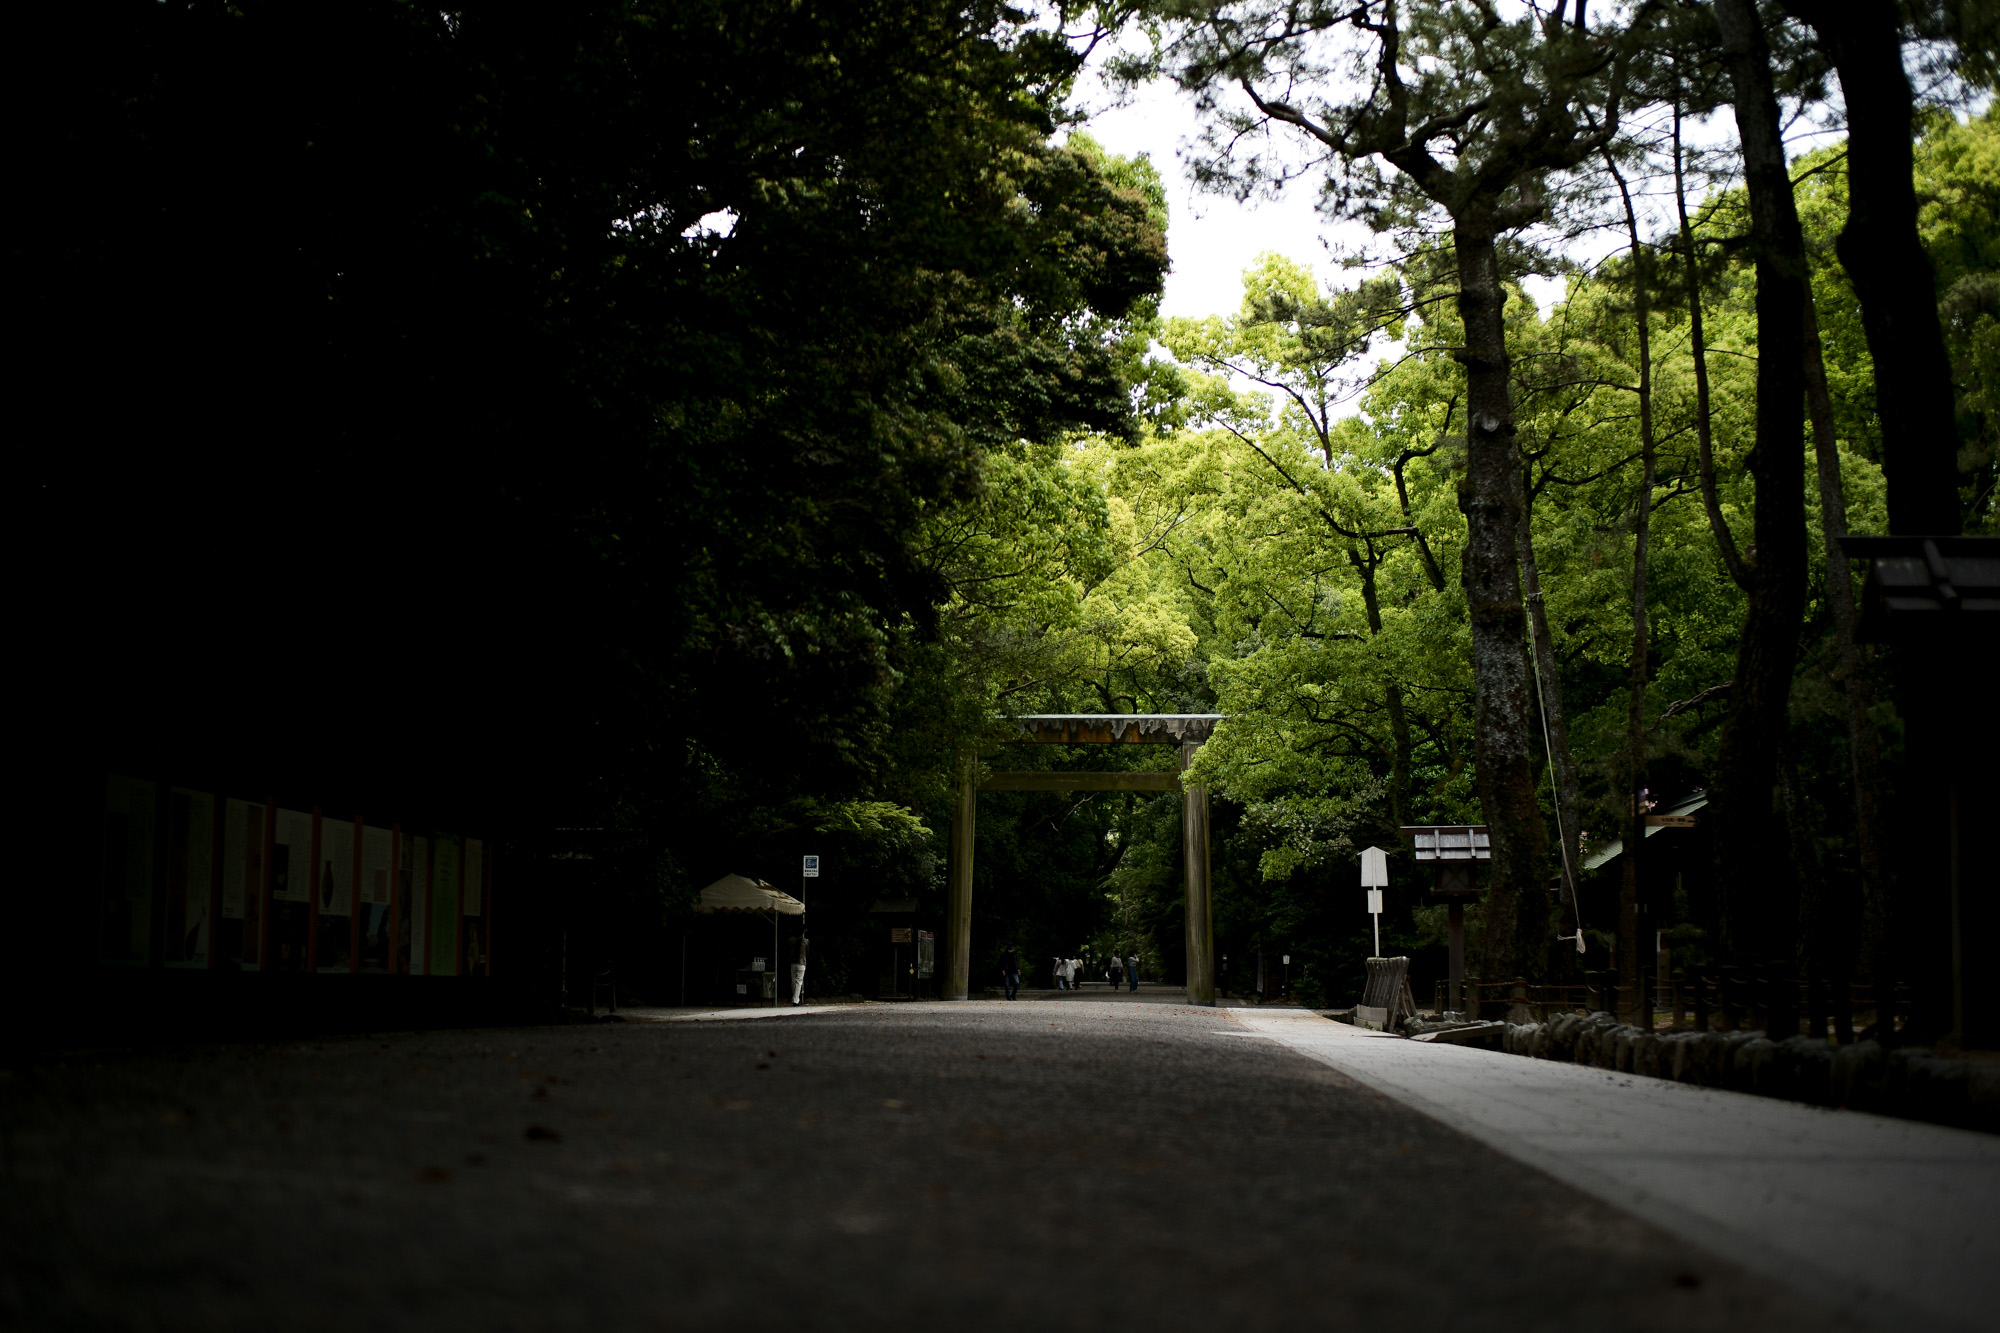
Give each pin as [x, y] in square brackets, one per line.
[1700, 1001]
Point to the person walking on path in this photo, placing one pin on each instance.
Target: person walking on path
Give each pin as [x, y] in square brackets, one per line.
[1131, 973]
[1010, 970]
[1115, 972]
[1055, 972]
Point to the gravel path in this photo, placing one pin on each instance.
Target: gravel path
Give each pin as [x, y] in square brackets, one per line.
[1058, 1164]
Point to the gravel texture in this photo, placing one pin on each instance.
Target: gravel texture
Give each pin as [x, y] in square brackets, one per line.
[1058, 1164]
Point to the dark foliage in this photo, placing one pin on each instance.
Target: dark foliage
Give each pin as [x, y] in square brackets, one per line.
[400, 426]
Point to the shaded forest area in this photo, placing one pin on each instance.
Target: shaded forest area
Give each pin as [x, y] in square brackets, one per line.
[682, 429]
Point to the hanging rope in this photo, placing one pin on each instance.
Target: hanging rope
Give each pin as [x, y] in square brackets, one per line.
[1562, 834]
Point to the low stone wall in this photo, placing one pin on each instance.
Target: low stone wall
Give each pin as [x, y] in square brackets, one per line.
[1914, 1082]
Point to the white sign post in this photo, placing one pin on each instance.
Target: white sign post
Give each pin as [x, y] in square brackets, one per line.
[1375, 878]
[797, 972]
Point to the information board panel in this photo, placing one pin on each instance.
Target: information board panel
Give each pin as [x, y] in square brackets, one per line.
[376, 844]
[242, 882]
[190, 868]
[416, 902]
[242, 856]
[291, 857]
[377, 847]
[475, 875]
[334, 886]
[291, 891]
[447, 857]
[475, 908]
[336, 867]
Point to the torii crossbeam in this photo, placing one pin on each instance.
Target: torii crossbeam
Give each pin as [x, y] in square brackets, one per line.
[1187, 730]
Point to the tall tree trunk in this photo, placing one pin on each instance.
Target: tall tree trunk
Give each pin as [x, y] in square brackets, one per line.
[1704, 416]
[1817, 924]
[1758, 894]
[1884, 256]
[1630, 953]
[1864, 742]
[1885, 259]
[1399, 719]
[1503, 695]
[1562, 760]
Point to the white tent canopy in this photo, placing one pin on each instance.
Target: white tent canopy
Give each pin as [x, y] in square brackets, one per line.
[734, 893]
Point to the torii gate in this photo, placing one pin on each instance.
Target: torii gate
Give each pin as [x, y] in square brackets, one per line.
[1187, 730]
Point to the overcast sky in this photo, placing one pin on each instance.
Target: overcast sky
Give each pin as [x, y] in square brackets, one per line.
[1211, 238]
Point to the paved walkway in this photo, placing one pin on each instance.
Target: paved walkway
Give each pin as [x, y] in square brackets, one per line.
[981, 1165]
[1893, 1221]
[978, 1166]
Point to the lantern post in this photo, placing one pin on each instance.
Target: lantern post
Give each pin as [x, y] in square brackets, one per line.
[1452, 850]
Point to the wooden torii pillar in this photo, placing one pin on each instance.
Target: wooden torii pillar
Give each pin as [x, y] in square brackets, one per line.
[1186, 730]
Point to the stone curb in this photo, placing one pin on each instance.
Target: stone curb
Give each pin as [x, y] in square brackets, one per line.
[1915, 1083]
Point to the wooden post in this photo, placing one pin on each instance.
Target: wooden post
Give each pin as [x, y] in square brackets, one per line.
[958, 892]
[1455, 987]
[354, 903]
[1679, 983]
[1663, 966]
[160, 857]
[1200, 909]
[397, 901]
[428, 902]
[269, 837]
[458, 918]
[486, 903]
[218, 836]
[312, 897]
